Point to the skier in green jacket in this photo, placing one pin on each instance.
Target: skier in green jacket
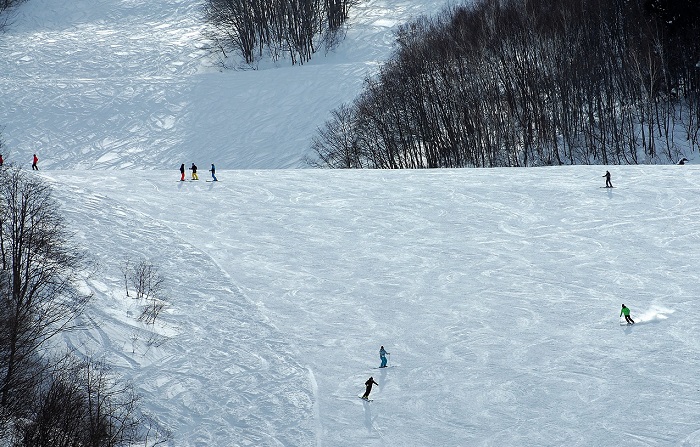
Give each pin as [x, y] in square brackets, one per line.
[626, 311]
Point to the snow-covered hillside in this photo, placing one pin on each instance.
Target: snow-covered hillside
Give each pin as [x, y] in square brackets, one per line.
[496, 291]
[129, 85]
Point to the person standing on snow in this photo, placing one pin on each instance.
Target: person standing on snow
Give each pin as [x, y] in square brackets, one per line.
[34, 162]
[382, 356]
[213, 173]
[182, 172]
[194, 172]
[626, 311]
[608, 183]
[369, 384]
[1, 161]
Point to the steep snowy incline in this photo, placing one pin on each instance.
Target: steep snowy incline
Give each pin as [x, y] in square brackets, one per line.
[125, 84]
[212, 369]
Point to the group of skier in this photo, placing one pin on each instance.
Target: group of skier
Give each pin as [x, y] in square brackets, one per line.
[35, 160]
[608, 183]
[383, 353]
[193, 168]
[370, 382]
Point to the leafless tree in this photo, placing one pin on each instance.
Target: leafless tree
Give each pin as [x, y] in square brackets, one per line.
[5, 10]
[44, 400]
[80, 402]
[334, 144]
[39, 269]
[125, 269]
[276, 28]
[542, 82]
[146, 279]
[148, 285]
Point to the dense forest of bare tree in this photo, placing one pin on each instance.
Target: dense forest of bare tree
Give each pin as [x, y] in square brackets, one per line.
[253, 29]
[528, 83]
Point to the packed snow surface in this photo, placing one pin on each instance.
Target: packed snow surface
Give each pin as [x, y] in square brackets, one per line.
[123, 84]
[496, 291]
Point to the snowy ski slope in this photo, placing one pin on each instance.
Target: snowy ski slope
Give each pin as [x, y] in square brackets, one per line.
[496, 291]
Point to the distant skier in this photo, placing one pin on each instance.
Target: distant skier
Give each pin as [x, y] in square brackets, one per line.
[683, 161]
[608, 183]
[194, 172]
[626, 311]
[382, 356]
[1, 161]
[34, 162]
[182, 172]
[369, 384]
[213, 173]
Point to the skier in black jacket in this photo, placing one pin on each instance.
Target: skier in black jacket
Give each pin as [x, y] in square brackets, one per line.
[608, 183]
[369, 384]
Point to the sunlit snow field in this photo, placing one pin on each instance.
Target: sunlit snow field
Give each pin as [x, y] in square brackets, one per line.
[122, 84]
[496, 291]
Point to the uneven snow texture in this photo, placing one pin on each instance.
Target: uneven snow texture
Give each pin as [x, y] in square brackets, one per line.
[123, 84]
[496, 291]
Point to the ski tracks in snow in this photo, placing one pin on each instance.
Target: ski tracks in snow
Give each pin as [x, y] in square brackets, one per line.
[108, 77]
[498, 300]
[225, 372]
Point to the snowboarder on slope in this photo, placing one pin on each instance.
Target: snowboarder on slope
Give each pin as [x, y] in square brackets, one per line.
[213, 173]
[369, 384]
[626, 311]
[194, 172]
[182, 172]
[34, 162]
[608, 183]
[382, 356]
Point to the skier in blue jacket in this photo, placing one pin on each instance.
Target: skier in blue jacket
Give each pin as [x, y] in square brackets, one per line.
[382, 356]
[213, 173]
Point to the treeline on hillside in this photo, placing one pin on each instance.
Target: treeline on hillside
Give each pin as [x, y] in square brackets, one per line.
[275, 28]
[48, 400]
[528, 83]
